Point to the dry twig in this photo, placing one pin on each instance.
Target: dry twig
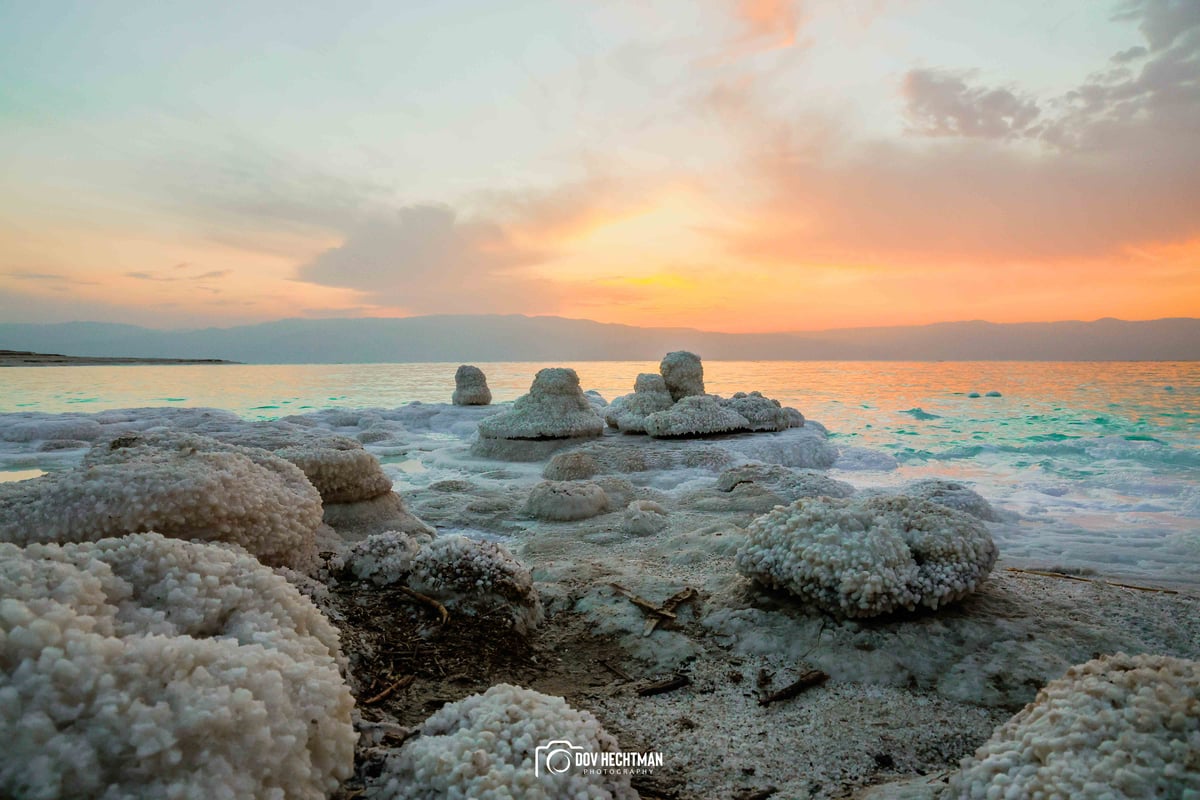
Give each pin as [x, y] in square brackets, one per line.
[1066, 577]
[807, 680]
[443, 614]
[403, 683]
[669, 685]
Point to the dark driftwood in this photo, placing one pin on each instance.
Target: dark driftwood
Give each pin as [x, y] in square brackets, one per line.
[807, 680]
[669, 685]
[442, 613]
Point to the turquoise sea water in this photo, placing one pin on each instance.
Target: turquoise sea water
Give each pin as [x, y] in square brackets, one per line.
[1096, 464]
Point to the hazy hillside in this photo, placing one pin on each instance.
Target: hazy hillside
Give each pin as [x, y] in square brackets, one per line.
[519, 338]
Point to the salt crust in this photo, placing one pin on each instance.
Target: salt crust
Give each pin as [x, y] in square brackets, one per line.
[476, 578]
[180, 485]
[789, 484]
[572, 466]
[1116, 727]
[862, 558]
[683, 374]
[554, 408]
[561, 501]
[952, 495]
[144, 666]
[483, 747]
[385, 558]
[762, 413]
[338, 466]
[387, 512]
[695, 415]
[470, 387]
[645, 517]
[628, 413]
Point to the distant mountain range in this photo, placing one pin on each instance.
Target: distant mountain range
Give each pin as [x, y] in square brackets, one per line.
[519, 338]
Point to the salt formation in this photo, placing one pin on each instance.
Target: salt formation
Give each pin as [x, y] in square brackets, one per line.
[484, 747]
[1119, 726]
[470, 387]
[762, 413]
[562, 501]
[338, 466]
[572, 466]
[181, 485]
[555, 408]
[645, 517]
[387, 512]
[628, 413]
[477, 578]
[144, 666]
[787, 484]
[683, 374]
[384, 558]
[695, 415]
[862, 558]
[952, 495]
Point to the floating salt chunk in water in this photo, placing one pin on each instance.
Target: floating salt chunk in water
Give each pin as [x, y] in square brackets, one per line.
[993, 393]
[973, 394]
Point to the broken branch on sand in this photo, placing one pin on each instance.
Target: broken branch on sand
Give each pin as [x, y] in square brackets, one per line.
[443, 614]
[402, 683]
[807, 680]
[1066, 577]
[661, 687]
[656, 613]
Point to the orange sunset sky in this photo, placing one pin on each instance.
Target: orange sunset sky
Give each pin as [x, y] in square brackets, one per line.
[731, 165]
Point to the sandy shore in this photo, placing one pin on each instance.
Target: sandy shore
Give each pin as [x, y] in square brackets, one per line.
[24, 358]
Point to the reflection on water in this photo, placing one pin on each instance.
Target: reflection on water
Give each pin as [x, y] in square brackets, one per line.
[13, 475]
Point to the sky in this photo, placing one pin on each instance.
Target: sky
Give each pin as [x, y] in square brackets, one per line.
[729, 165]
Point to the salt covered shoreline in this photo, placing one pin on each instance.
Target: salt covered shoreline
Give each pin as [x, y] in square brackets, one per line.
[909, 693]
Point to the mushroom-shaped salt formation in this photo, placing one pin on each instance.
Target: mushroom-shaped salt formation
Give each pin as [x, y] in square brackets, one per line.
[470, 387]
[555, 408]
[562, 501]
[628, 413]
[143, 666]
[1118, 727]
[191, 487]
[762, 413]
[683, 374]
[571, 466]
[861, 558]
[695, 415]
[477, 578]
[486, 747]
[952, 495]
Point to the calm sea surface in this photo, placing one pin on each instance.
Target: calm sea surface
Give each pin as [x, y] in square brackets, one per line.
[1098, 463]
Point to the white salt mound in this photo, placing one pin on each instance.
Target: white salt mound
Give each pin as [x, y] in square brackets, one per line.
[144, 666]
[952, 495]
[571, 466]
[861, 558]
[470, 387]
[554, 408]
[1116, 728]
[628, 413]
[385, 558]
[184, 486]
[645, 517]
[477, 578]
[762, 413]
[561, 501]
[683, 374]
[695, 415]
[483, 747]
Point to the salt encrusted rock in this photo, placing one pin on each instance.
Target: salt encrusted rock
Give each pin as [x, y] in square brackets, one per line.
[788, 484]
[555, 408]
[628, 413]
[484, 747]
[477, 578]
[385, 558]
[862, 558]
[384, 513]
[695, 415]
[47, 428]
[470, 387]
[572, 466]
[763, 413]
[1117, 727]
[338, 466]
[952, 495]
[184, 486]
[683, 374]
[645, 517]
[795, 418]
[144, 666]
[562, 501]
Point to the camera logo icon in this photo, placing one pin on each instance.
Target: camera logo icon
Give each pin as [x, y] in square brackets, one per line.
[554, 758]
